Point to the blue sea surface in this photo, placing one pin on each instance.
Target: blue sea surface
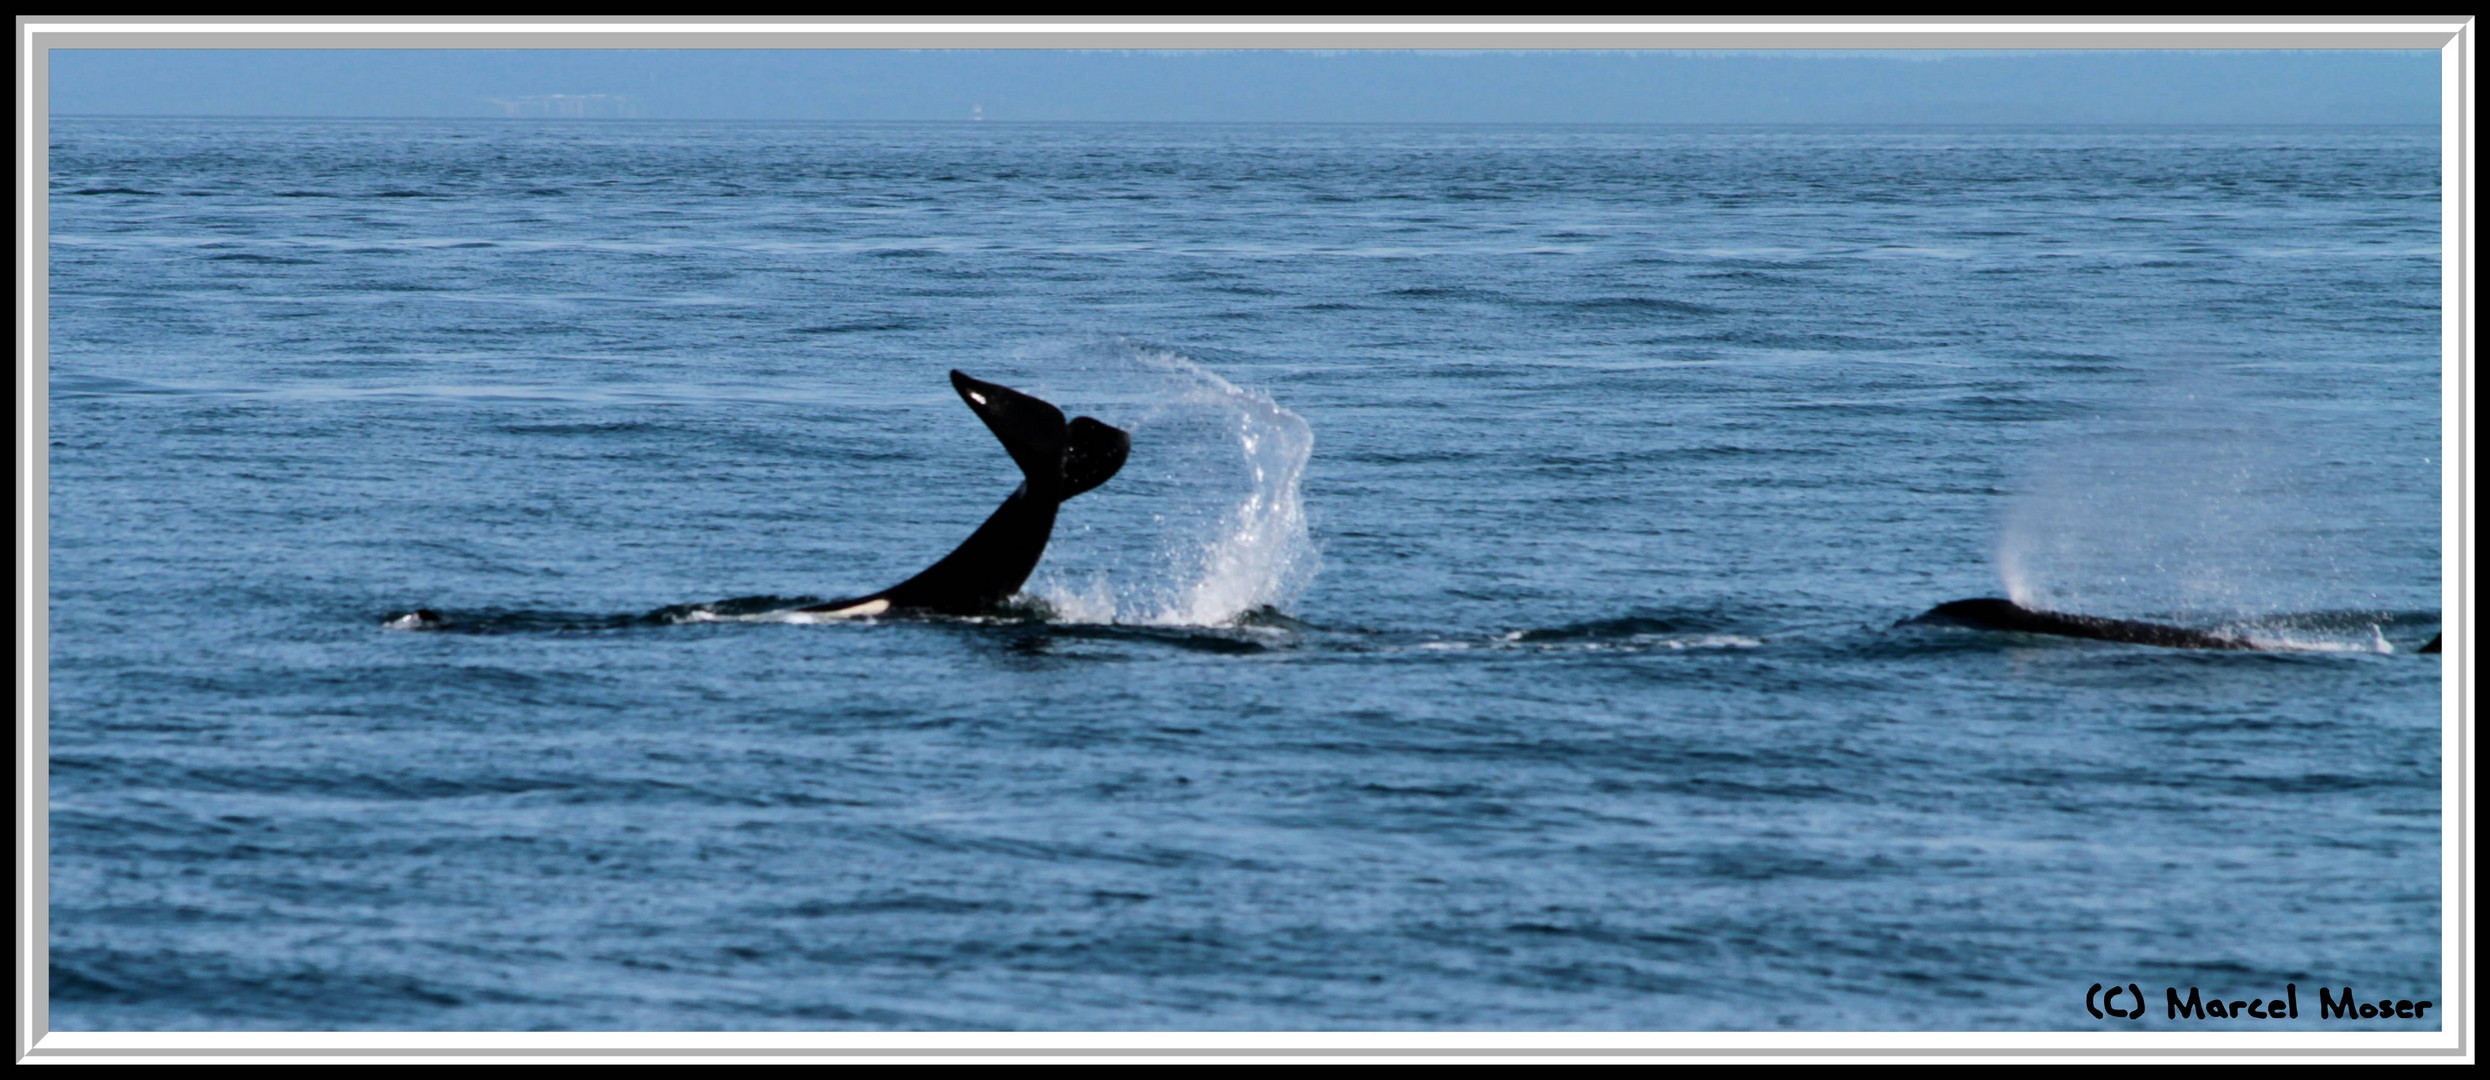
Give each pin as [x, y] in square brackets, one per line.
[1495, 627]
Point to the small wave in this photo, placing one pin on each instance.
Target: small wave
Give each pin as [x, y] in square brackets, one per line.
[1232, 641]
[1634, 633]
[856, 327]
[1628, 627]
[908, 903]
[618, 427]
[1637, 642]
[1767, 339]
[1645, 303]
[107, 386]
[1688, 620]
[281, 260]
[1448, 292]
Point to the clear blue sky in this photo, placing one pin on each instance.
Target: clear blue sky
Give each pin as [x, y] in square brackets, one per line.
[2266, 87]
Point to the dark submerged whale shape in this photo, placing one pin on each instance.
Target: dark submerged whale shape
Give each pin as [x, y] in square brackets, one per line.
[1058, 460]
[1991, 613]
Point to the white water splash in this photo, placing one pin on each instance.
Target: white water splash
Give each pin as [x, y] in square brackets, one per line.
[1205, 525]
[2273, 640]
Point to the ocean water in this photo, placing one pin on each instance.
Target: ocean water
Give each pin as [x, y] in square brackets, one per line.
[1495, 627]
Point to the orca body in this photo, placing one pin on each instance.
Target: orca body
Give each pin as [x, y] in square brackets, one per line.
[1058, 460]
[1991, 613]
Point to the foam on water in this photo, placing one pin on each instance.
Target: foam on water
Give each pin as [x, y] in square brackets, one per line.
[2302, 641]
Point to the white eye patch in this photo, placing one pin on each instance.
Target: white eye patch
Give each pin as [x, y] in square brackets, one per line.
[976, 397]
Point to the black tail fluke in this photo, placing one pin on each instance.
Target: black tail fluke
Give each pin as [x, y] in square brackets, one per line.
[1032, 431]
[1092, 453]
[1060, 460]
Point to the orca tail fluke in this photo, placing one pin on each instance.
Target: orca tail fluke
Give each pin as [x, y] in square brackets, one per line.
[1031, 430]
[1059, 459]
[1092, 454]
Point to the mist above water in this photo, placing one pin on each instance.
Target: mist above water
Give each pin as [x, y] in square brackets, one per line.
[2186, 506]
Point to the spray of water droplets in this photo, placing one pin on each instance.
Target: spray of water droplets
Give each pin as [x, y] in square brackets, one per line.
[2188, 506]
[1205, 525]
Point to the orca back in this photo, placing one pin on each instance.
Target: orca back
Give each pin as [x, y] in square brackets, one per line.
[1994, 613]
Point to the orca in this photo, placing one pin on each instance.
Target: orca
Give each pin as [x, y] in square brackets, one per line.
[1992, 613]
[1058, 460]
